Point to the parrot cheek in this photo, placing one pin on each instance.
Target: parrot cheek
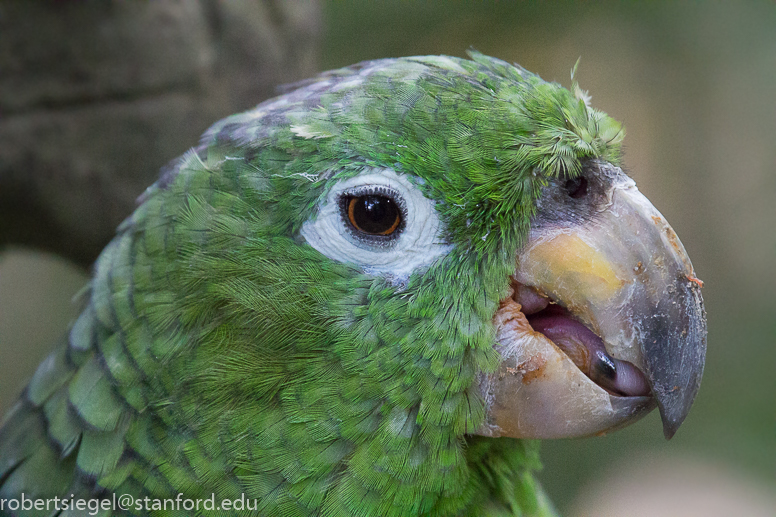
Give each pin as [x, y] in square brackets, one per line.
[605, 322]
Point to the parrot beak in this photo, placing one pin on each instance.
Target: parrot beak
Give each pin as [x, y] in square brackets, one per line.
[604, 320]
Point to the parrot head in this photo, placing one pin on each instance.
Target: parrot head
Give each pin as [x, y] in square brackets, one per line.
[462, 231]
[341, 298]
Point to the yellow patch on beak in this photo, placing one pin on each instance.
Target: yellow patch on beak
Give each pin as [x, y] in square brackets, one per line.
[565, 263]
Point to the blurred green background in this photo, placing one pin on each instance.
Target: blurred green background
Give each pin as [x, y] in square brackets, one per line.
[695, 85]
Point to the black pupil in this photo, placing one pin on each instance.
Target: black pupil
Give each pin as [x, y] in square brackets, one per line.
[375, 214]
[577, 187]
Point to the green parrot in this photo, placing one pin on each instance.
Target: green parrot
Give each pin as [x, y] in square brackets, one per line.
[369, 296]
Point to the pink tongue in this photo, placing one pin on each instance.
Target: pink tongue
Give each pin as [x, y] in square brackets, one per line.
[588, 352]
[556, 323]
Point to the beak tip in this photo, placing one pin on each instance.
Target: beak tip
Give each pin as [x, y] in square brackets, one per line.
[670, 427]
[674, 407]
[675, 371]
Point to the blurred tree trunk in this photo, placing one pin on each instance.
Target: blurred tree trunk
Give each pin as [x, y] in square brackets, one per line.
[96, 96]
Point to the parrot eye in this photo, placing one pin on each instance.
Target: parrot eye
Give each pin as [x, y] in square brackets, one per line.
[373, 214]
[576, 187]
[380, 221]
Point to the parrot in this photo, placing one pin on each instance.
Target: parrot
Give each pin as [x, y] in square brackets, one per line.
[372, 295]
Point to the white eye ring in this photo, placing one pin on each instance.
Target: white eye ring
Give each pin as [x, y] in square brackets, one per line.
[416, 246]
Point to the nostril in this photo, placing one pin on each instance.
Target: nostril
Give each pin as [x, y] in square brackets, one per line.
[576, 187]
